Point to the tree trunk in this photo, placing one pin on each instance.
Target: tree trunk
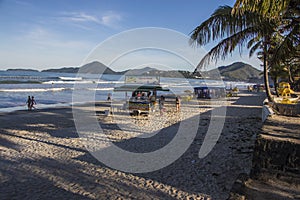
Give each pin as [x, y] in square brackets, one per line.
[266, 75]
[276, 85]
[291, 78]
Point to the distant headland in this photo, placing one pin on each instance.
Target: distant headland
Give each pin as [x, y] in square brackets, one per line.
[237, 71]
[25, 70]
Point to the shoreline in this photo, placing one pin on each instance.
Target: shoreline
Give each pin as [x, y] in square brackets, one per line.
[42, 107]
[70, 104]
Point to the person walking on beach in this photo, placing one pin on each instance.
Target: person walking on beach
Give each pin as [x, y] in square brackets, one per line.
[177, 104]
[29, 103]
[32, 103]
[108, 97]
[152, 102]
[161, 104]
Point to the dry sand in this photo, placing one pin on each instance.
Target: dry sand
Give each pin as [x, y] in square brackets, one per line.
[42, 156]
[269, 182]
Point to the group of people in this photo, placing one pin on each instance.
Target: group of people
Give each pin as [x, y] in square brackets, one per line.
[151, 98]
[162, 103]
[31, 102]
[141, 95]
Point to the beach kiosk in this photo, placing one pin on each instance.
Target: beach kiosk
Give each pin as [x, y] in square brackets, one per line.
[213, 92]
[143, 93]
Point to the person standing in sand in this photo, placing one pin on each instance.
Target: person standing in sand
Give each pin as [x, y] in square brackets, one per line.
[29, 103]
[161, 104]
[152, 102]
[32, 103]
[108, 97]
[177, 104]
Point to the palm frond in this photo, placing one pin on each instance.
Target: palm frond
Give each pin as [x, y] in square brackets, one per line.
[254, 47]
[227, 46]
[214, 27]
[287, 48]
[268, 8]
[221, 24]
[252, 42]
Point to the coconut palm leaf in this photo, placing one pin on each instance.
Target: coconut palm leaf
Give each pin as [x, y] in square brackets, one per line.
[254, 47]
[221, 24]
[288, 47]
[267, 8]
[227, 46]
[237, 31]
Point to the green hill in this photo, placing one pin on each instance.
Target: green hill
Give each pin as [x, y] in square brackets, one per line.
[96, 68]
[89, 68]
[237, 71]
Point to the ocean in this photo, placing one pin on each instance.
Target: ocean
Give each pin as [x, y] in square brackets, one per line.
[56, 89]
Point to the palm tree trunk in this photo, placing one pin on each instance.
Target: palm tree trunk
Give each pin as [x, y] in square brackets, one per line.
[266, 75]
[291, 80]
[267, 85]
[276, 85]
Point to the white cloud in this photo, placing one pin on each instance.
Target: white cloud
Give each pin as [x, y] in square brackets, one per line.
[110, 19]
[80, 17]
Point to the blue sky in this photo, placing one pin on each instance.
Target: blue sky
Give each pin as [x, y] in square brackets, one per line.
[54, 34]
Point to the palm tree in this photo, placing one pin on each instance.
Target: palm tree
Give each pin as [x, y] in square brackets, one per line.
[287, 12]
[235, 31]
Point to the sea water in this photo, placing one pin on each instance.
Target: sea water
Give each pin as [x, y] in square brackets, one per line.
[56, 89]
[49, 88]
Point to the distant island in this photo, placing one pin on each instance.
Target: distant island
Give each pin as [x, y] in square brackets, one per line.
[237, 71]
[24, 70]
[63, 70]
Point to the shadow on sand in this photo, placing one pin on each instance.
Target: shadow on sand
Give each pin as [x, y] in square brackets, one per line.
[83, 177]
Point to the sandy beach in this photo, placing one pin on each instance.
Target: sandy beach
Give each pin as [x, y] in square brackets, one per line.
[42, 156]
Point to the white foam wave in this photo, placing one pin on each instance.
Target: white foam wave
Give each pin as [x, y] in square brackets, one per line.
[33, 90]
[100, 89]
[70, 78]
[109, 82]
[82, 82]
[67, 82]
